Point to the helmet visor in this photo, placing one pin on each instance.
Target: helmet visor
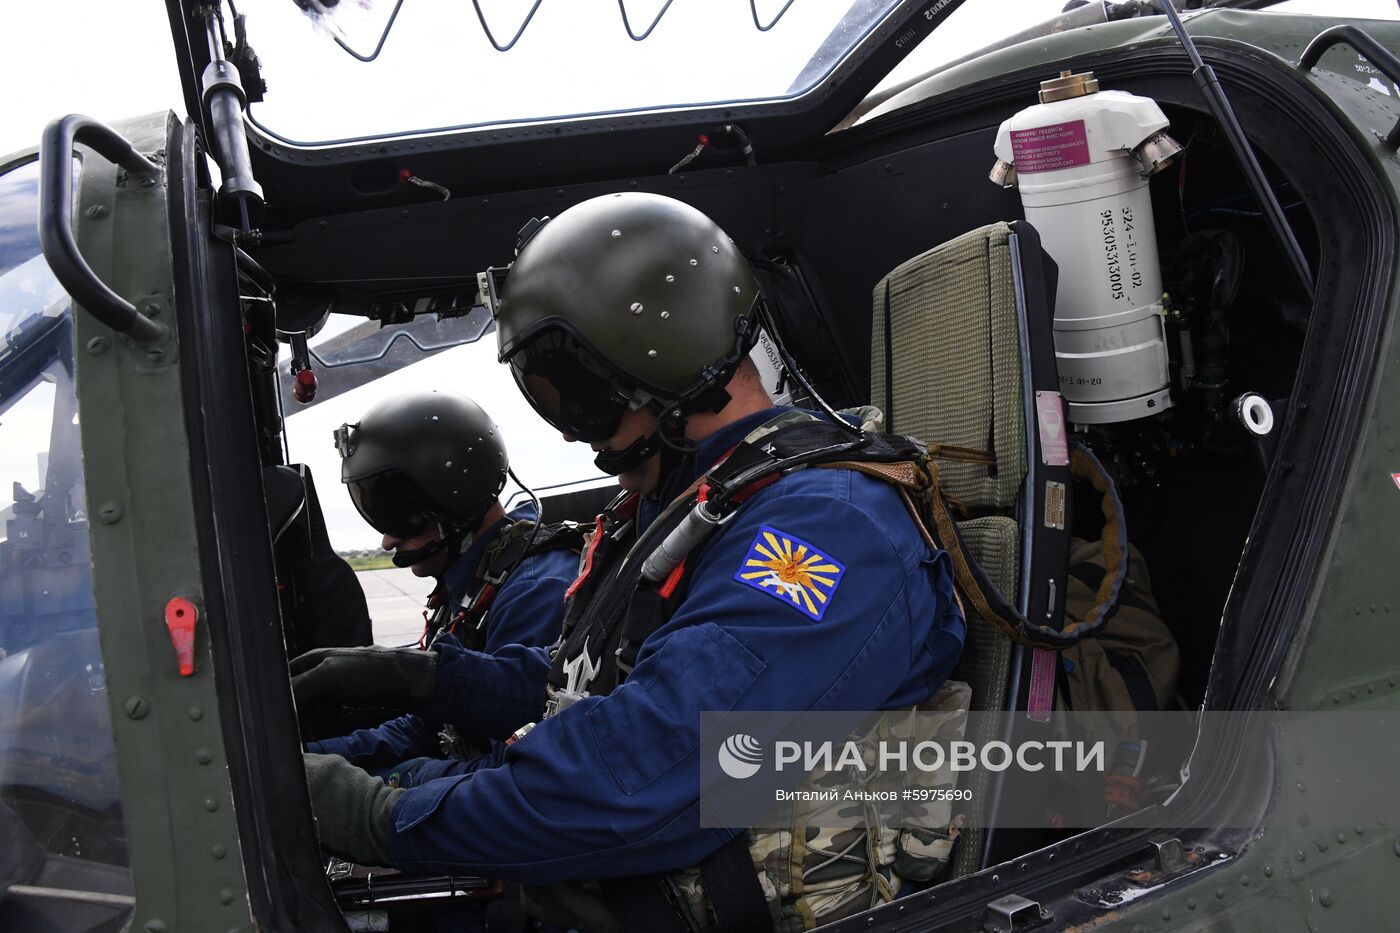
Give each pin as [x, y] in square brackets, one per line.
[566, 387]
[392, 503]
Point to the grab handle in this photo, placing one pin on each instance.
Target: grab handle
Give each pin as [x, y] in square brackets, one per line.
[56, 219]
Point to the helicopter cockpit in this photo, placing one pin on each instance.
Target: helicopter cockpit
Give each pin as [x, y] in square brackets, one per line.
[1075, 240]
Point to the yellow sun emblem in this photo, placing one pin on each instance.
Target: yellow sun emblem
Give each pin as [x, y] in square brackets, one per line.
[791, 570]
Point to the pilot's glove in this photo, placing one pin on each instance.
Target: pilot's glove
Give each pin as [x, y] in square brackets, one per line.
[402, 678]
[352, 809]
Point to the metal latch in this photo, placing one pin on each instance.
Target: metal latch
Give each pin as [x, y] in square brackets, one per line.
[1014, 913]
[1168, 855]
[1169, 860]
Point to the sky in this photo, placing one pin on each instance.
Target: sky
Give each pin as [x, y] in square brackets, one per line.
[114, 59]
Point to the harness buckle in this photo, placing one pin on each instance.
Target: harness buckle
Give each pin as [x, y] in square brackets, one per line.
[578, 673]
[495, 579]
[559, 700]
[624, 670]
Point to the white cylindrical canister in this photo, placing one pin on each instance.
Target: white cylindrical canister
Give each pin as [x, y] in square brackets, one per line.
[1084, 190]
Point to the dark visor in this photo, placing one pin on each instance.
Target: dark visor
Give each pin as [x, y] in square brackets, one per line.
[392, 503]
[555, 374]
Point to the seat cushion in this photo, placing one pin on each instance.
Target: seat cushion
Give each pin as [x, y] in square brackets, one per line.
[953, 358]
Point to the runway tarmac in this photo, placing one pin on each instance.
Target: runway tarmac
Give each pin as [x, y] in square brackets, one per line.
[396, 599]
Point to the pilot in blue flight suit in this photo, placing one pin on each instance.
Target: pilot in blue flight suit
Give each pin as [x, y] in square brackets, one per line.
[626, 322]
[427, 470]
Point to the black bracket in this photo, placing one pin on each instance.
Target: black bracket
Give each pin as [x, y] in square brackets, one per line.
[1376, 54]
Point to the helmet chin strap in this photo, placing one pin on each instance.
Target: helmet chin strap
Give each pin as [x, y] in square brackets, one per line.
[668, 437]
[457, 538]
[614, 462]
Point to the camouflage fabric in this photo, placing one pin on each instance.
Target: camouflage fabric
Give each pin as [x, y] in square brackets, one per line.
[929, 830]
[813, 875]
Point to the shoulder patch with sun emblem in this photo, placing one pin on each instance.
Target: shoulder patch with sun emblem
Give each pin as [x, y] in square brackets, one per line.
[791, 570]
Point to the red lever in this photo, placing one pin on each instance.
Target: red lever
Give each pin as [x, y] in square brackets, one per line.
[180, 617]
[304, 389]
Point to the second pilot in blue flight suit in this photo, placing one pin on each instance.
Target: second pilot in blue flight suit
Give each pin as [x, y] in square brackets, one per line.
[498, 584]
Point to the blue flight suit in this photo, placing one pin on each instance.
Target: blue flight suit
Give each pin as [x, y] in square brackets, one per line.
[610, 786]
[528, 610]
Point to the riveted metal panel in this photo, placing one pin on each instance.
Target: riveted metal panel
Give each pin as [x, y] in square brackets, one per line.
[175, 786]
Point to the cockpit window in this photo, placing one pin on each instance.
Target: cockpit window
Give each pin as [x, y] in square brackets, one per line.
[440, 63]
[63, 854]
[974, 25]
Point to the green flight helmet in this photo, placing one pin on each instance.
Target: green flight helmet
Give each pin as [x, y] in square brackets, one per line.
[429, 457]
[622, 301]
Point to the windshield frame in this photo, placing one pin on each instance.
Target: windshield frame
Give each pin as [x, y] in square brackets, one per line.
[863, 64]
[828, 57]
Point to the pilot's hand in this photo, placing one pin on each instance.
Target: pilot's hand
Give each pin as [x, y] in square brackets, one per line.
[352, 809]
[403, 678]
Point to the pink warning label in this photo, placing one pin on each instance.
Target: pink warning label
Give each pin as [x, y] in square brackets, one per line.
[1054, 441]
[1042, 692]
[1047, 148]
